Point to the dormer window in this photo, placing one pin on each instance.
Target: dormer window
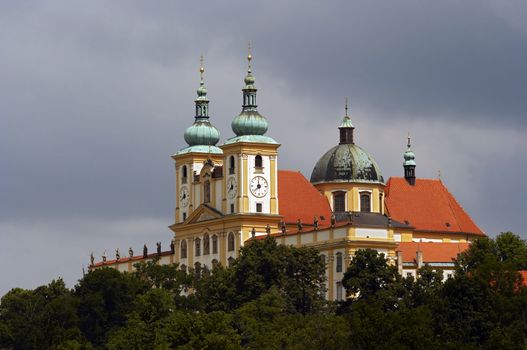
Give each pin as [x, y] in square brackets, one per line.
[231, 165]
[184, 174]
[365, 202]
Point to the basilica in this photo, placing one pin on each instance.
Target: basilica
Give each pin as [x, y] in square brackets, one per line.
[229, 194]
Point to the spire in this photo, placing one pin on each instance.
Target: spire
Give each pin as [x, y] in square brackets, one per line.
[409, 163]
[346, 127]
[202, 102]
[249, 122]
[249, 91]
[202, 132]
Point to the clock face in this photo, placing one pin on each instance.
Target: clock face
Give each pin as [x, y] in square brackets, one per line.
[259, 186]
[232, 187]
[183, 196]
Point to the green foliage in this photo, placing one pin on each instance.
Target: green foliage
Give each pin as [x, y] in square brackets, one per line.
[297, 272]
[271, 299]
[105, 297]
[42, 318]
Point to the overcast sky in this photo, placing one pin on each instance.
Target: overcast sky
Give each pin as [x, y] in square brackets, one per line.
[95, 97]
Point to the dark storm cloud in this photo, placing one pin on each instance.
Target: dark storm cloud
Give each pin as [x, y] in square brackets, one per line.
[96, 95]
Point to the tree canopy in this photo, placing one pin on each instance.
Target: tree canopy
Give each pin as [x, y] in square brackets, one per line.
[272, 298]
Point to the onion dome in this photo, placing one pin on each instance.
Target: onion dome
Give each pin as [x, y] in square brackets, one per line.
[202, 136]
[409, 156]
[346, 162]
[250, 125]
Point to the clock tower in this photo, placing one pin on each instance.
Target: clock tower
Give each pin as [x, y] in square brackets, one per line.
[195, 163]
[250, 160]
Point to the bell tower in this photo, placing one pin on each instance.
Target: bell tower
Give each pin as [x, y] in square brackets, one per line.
[250, 159]
[195, 163]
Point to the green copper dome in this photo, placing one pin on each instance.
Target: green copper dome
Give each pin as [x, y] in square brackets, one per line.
[346, 162]
[202, 136]
[202, 132]
[250, 123]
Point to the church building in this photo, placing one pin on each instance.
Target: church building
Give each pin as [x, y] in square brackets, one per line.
[231, 193]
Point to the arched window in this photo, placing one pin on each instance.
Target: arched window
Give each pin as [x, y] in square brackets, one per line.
[214, 244]
[230, 260]
[339, 201]
[231, 165]
[258, 161]
[365, 202]
[206, 244]
[339, 263]
[206, 192]
[230, 243]
[183, 249]
[197, 269]
[184, 174]
[197, 244]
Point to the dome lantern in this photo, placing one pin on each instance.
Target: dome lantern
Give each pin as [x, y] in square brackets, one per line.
[346, 127]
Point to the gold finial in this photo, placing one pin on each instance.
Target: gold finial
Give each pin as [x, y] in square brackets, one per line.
[249, 52]
[346, 106]
[201, 69]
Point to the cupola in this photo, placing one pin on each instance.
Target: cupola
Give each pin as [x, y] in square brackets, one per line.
[346, 162]
[409, 163]
[202, 136]
[250, 125]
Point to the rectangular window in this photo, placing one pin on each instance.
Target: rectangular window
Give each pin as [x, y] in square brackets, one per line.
[339, 262]
[339, 201]
[232, 208]
[258, 207]
[339, 291]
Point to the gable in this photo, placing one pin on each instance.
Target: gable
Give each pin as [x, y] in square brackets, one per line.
[203, 213]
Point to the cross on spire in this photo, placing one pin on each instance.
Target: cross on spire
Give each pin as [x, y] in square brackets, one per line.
[201, 68]
[249, 55]
[346, 106]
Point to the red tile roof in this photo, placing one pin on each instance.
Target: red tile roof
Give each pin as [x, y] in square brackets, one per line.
[299, 199]
[427, 206]
[432, 252]
[127, 259]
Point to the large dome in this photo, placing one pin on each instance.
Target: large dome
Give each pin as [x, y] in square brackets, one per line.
[346, 163]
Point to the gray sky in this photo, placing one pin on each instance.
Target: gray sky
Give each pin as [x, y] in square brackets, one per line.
[96, 95]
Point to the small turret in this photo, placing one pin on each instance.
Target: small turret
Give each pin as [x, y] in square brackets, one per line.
[409, 164]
